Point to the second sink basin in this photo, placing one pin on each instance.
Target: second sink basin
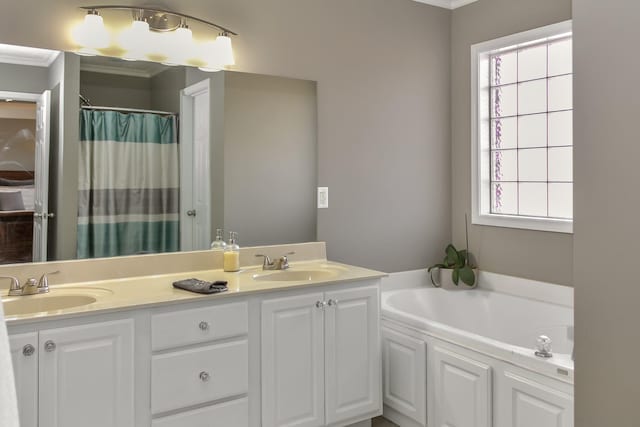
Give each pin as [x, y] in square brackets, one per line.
[295, 275]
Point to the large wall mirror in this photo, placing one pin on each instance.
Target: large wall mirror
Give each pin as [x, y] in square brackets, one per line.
[104, 157]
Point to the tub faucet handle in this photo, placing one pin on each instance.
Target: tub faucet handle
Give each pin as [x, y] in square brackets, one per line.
[543, 346]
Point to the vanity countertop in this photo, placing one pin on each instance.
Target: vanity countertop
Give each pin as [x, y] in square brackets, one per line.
[157, 290]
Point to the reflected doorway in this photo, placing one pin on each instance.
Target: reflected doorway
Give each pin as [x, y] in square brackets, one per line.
[24, 172]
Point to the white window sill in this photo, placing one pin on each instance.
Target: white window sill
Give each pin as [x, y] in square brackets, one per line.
[525, 222]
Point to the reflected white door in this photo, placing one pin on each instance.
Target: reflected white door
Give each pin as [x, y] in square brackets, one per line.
[195, 178]
[41, 215]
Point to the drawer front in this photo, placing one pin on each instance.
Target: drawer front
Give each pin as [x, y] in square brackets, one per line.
[185, 327]
[194, 376]
[234, 413]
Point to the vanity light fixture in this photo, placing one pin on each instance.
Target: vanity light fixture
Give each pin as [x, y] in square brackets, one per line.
[155, 34]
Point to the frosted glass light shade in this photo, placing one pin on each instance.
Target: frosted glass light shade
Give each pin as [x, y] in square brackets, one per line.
[225, 51]
[91, 34]
[180, 46]
[210, 54]
[135, 40]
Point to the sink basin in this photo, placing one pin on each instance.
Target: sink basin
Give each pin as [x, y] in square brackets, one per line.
[295, 275]
[60, 298]
[16, 306]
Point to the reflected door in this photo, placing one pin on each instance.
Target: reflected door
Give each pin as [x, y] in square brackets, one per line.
[41, 215]
[195, 217]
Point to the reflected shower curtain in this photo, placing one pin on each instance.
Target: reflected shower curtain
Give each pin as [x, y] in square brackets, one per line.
[128, 184]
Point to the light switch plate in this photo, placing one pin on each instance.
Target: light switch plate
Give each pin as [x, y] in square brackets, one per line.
[323, 197]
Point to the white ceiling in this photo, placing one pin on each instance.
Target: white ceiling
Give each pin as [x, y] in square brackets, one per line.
[447, 4]
[26, 55]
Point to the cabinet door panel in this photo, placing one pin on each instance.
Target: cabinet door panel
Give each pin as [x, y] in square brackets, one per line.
[352, 351]
[526, 403]
[233, 413]
[87, 379]
[405, 377]
[25, 370]
[292, 362]
[462, 390]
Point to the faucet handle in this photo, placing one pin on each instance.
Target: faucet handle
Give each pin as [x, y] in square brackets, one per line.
[284, 261]
[267, 261]
[14, 289]
[43, 283]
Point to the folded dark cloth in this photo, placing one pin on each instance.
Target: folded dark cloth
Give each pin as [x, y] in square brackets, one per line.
[201, 286]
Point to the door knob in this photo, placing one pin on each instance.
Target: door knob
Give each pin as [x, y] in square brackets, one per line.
[191, 212]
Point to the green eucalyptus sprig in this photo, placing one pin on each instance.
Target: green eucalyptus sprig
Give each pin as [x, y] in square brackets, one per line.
[458, 261]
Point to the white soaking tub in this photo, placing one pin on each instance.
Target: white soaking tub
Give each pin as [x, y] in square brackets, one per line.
[478, 344]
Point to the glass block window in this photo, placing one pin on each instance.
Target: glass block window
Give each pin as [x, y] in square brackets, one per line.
[523, 142]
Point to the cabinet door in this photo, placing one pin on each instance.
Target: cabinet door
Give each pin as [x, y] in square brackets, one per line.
[353, 372]
[527, 403]
[293, 361]
[24, 357]
[86, 375]
[462, 390]
[405, 375]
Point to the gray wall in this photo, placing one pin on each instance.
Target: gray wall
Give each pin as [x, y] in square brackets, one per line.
[63, 156]
[115, 90]
[165, 89]
[270, 158]
[533, 254]
[383, 107]
[23, 78]
[607, 201]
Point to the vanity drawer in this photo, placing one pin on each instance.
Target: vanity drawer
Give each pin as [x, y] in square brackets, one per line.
[184, 327]
[234, 413]
[199, 375]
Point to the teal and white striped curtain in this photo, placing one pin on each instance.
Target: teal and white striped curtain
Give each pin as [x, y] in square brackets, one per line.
[128, 200]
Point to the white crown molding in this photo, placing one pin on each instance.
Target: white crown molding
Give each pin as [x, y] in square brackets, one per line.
[447, 4]
[31, 56]
[108, 69]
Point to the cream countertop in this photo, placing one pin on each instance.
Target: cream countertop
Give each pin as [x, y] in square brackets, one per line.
[156, 290]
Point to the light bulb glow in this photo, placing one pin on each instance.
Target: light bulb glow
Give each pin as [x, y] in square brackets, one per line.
[180, 46]
[210, 52]
[135, 40]
[91, 33]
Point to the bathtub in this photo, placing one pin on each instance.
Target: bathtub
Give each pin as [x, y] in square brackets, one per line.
[496, 324]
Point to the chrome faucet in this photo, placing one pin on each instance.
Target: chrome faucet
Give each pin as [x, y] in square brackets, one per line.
[281, 263]
[30, 287]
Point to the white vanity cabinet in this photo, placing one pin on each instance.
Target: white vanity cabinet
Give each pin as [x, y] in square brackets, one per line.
[24, 357]
[76, 375]
[321, 357]
[200, 357]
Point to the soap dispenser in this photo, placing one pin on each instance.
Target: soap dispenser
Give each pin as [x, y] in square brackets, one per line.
[219, 243]
[231, 260]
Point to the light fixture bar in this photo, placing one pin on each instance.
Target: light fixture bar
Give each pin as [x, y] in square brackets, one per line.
[154, 10]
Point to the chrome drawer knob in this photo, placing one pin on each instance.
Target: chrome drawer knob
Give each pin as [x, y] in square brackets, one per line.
[320, 304]
[204, 326]
[28, 350]
[332, 302]
[49, 346]
[204, 376]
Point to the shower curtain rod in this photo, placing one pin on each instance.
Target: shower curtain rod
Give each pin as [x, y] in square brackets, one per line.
[128, 110]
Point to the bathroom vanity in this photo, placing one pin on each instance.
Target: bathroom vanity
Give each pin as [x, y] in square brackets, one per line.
[299, 347]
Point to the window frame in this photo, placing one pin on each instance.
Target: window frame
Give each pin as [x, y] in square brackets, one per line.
[480, 131]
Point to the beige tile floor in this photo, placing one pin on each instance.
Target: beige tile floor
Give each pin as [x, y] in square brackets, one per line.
[382, 422]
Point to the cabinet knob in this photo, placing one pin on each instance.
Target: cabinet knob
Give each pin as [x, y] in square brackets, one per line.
[28, 350]
[49, 346]
[320, 304]
[204, 326]
[332, 303]
[204, 376]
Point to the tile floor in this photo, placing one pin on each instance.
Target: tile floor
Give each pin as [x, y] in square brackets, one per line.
[382, 422]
